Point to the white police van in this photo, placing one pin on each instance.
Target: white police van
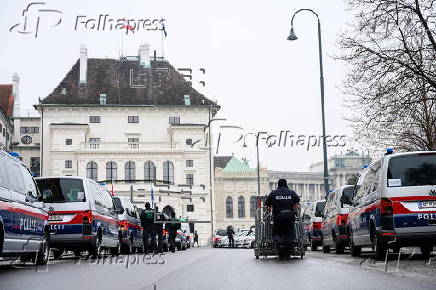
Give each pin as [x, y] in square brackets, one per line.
[394, 204]
[24, 228]
[81, 217]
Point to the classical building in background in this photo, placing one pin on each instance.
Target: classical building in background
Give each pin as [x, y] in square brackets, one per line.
[9, 107]
[236, 191]
[135, 124]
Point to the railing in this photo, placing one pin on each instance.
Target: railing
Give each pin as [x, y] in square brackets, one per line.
[128, 146]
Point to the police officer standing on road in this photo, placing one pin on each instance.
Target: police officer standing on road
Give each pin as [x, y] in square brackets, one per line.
[160, 217]
[147, 222]
[283, 200]
[230, 233]
[172, 232]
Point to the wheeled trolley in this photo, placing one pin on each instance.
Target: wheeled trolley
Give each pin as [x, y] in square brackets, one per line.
[264, 244]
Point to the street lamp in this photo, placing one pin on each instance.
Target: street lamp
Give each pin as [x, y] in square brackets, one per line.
[293, 36]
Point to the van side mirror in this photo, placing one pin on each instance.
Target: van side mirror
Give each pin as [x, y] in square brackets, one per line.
[119, 210]
[30, 197]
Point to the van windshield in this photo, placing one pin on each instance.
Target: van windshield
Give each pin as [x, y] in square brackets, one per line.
[412, 170]
[347, 195]
[60, 190]
[319, 208]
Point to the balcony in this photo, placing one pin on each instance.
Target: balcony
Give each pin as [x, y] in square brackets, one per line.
[128, 147]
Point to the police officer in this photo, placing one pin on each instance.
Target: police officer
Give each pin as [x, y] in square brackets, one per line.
[160, 217]
[147, 222]
[230, 233]
[283, 200]
[172, 232]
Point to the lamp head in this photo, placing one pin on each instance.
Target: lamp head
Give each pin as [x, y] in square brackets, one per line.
[292, 35]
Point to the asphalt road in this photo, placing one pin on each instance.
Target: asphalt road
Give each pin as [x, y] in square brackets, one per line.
[208, 268]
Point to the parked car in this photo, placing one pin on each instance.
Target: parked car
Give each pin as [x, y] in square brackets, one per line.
[239, 239]
[249, 241]
[82, 216]
[181, 243]
[219, 235]
[394, 204]
[165, 241]
[334, 221]
[312, 217]
[24, 229]
[130, 225]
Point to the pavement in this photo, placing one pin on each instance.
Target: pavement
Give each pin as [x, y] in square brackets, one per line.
[209, 268]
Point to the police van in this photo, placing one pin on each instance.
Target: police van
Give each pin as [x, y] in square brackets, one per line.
[394, 204]
[130, 225]
[312, 217]
[334, 221]
[82, 216]
[24, 228]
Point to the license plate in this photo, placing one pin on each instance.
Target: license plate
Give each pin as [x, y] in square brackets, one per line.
[427, 204]
[55, 218]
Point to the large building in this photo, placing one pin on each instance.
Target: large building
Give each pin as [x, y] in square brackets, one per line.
[236, 191]
[9, 107]
[135, 124]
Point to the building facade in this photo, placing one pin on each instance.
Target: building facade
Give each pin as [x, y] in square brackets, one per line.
[9, 107]
[236, 190]
[136, 125]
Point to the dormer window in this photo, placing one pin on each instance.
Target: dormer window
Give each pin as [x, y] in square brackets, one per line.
[63, 91]
[103, 99]
[187, 100]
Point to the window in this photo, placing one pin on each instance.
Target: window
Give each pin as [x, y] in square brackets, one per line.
[133, 140]
[174, 120]
[1, 127]
[111, 170]
[25, 130]
[187, 100]
[34, 129]
[229, 207]
[190, 179]
[94, 119]
[188, 141]
[253, 201]
[133, 119]
[168, 172]
[4, 132]
[68, 163]
[189, 207]
[29, 183]
[15, 177]
[130, 171]
[94, 140]
[26, 140]
[189, 163]
[92, 170]
[34, 166]
[7, 136]
[63, 91]
[241, 207]
[103, 99]
[149, 171]
[68, 141]
[412, 170]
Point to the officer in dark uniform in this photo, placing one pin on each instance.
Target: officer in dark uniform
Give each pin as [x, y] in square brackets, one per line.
[160, 217]
[172, 232]
[147, 223]
[283, 200]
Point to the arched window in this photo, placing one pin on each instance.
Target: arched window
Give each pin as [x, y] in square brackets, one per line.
[253, 200]
[111, 170]
[229, 207]
[168, 172]
[92, 170]
[130, 171]
[149, 171]
[241, 207]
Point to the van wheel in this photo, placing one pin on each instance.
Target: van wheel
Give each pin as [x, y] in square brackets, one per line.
[116, 251]
[355, 251]
[2, 237]
[313, 246]
[325, 249]
[57, 253]
[44, 250]
[426, 250]
[339, 247]
[378, 248]
[96, 250]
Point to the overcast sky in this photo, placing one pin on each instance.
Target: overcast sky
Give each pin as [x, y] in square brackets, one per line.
[262, 81]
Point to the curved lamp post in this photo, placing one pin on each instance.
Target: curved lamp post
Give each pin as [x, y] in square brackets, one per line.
[293, 36]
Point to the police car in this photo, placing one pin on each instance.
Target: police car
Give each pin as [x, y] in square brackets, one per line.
[24, 228]
[130, 225]
[81, 217]
[394, 204]
[334, 221]
[312, 217]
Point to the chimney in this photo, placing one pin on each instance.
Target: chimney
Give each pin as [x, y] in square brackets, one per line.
[16, 94]
[83, 64]
[144, 55]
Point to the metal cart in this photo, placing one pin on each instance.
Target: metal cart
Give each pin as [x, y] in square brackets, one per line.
[264, 245]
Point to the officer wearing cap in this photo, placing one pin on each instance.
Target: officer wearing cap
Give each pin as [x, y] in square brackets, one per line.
[282, 200]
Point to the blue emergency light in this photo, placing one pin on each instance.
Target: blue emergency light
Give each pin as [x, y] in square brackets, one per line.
[389, 151]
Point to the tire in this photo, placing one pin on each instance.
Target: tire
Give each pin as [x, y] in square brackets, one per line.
[313, 246]
[116, 251]
[57, 253]
[325, 249]
[379, 249]
[426, 250]
[97, 249]
[44, 251]
[77, 253]
[355, 251]
[339, 247]
[2, 237]
[179, 248]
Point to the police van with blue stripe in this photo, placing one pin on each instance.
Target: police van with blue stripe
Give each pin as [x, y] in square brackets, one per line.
[24, 230]
[394, 204]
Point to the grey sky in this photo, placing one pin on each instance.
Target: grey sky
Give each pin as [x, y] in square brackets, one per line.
[262, 81]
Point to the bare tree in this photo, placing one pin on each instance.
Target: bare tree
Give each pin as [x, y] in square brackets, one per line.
[391, 53]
